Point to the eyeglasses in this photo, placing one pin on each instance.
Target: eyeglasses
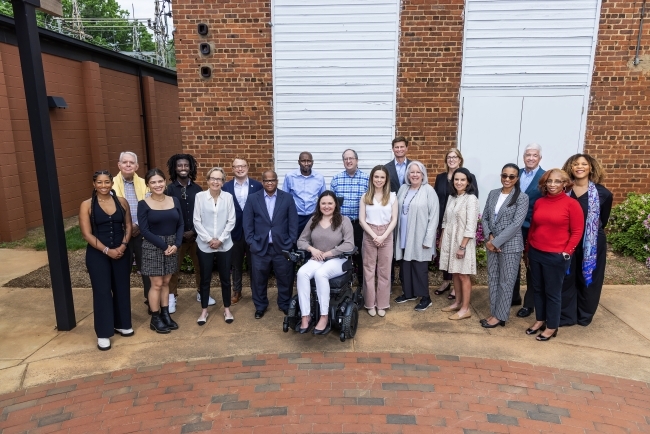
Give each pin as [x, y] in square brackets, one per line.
[452, 158]
[506, 176]
[241, 166]
[270, 181]
[215, 179]
[349, 159]
[554, 182]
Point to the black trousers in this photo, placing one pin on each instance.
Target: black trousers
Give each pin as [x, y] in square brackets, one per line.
[206, 263]
[111, 284]
[547, 271]
[415, 275]
[260, 272]
[579, 302]
[357, 259]
[238, 251]
[135, 248]
[529, 298]
[302, 222]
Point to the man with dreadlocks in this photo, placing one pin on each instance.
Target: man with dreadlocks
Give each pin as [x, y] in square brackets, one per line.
[183, 186]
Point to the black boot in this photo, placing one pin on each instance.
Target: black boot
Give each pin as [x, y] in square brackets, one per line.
[158, 324]
[169, 322]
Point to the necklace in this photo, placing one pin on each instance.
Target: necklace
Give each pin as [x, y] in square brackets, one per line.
[157, 200]
[405, 208]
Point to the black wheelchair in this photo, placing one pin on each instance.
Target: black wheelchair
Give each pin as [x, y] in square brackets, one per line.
[344, 301]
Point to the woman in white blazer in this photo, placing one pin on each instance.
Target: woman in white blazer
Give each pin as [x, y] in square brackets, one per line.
[214, 219]
[504, 213]
[416, 234]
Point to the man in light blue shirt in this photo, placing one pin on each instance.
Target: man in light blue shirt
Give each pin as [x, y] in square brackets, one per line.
[305, 186]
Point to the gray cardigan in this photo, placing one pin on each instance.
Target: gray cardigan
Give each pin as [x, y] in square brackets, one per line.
[506, 227]
[338, 241]
[421, 227]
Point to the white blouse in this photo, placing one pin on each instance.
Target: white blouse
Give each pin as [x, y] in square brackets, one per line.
[378, 214]
[214, 220]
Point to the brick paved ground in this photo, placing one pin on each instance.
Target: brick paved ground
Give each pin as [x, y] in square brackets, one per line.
[334, 392]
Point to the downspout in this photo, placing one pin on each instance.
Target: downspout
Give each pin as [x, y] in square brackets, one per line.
[144, 121]
[638, 41]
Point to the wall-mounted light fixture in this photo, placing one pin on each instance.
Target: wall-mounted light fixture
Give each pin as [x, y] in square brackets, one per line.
[202, 28]
[204, 48]
[206, 72]
[56, 102]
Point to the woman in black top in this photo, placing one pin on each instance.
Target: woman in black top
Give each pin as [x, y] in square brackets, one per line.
[582, 286]
[443, 187]
[105, 222]
[161, 224]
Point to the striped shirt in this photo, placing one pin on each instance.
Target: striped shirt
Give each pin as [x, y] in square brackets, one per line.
[350, 188]
[132, 199]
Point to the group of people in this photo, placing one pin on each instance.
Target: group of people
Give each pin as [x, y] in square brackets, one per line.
[393, 217]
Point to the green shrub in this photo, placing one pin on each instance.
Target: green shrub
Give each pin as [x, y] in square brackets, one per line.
[628, 226]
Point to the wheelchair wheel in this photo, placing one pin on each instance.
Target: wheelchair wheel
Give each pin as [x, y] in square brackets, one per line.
[350, 321]
[291, 321]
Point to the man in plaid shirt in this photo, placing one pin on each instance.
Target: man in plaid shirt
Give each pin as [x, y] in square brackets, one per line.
[351, 184]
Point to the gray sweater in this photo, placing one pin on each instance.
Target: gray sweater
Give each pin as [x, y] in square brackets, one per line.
[336, 241]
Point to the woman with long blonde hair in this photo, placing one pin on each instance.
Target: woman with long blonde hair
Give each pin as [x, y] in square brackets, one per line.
[377, 217]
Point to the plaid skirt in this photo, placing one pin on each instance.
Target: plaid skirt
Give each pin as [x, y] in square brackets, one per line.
[154, 261]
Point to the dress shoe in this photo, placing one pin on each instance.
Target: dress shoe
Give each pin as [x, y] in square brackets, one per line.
[228, 318]
[302, 331]
[202, 320]
[456, 317]
[546, 338]
[104, 344]
[487, 325]
[381, 312]
[372, 312]
[532, 331]
[236, 296]
[157, 324]
[169, 322]
[325, 331]
[450, 309]
[525, 311]
[125, 332]
[259, 314]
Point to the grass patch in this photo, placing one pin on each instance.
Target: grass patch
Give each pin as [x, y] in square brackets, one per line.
[35, 238]
[73, 240]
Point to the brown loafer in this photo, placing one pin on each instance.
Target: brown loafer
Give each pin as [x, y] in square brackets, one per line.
[236, 296]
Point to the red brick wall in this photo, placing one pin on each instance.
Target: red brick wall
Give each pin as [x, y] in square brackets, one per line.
[618, 124]
[231, 113]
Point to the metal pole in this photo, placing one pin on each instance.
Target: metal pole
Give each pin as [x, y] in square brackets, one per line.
[638, 41]
[29, 48]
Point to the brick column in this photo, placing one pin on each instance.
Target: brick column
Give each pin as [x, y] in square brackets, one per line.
[149, 90]
[95, 115]
[12, 223]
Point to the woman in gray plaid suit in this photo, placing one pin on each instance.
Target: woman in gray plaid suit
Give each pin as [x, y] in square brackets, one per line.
[504, 213]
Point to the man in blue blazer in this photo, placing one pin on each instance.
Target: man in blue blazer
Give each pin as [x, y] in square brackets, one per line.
[240, 188]
[529, 176]
[270, 226]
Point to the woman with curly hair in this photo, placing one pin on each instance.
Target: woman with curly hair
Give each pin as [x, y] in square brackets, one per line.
[582, 286]
[327, 235]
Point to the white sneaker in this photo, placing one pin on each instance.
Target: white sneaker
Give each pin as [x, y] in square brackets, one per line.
[125, 332]
[211, 301]
[104, 344]
[172, 303]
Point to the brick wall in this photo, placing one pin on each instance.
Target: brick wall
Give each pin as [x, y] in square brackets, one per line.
[231, 113]
[428, 83]
[618, 124]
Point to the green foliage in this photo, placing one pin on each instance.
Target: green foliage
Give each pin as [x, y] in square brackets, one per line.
[73, 240]
[187, 266]
[628, 226]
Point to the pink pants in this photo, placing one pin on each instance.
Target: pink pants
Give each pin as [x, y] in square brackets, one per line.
[379, 260]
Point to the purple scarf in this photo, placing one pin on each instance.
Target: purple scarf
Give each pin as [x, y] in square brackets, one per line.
[590, 239]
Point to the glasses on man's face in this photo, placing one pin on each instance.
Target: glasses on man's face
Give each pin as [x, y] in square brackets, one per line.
[349, 159]
[554, 182]
[506, 176]
[215, 179]
[270, 181]
[241, 166]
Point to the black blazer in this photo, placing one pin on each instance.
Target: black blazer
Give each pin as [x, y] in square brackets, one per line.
[392, 174]
[283, 225]
[443, 189]
[229, 187]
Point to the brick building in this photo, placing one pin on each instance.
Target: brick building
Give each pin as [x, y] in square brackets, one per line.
[488, 76]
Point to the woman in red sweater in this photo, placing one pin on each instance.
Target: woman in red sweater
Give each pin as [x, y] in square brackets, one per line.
[556, 228]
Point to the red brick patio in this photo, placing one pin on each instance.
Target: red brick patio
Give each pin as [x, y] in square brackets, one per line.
[334, 392]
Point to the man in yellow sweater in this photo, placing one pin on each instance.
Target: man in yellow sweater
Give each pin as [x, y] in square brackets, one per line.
[130, 186]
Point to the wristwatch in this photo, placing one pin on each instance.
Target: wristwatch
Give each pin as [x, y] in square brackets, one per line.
[566, 256]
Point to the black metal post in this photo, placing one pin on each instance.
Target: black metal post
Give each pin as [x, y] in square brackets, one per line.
[29, 48]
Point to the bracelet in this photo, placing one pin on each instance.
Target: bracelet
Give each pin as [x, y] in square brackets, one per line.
[105, 251]
[462, 248]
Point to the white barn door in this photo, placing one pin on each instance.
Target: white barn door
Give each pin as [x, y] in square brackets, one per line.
[334, 81]
[527, 68]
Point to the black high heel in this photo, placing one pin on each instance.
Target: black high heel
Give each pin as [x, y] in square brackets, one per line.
[442, 291]
[532, 331]
[487, 325]
[546, 338]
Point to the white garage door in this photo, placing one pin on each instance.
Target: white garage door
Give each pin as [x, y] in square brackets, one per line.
[334, 81]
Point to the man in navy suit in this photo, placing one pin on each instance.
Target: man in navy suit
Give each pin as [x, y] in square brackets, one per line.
[270, 226]
[529, 176]
[240, 188]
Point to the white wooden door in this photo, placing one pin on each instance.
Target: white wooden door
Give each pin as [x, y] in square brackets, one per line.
[334, 81]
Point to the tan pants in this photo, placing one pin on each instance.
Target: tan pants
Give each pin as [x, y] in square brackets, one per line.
[186, 249]
[377, 260]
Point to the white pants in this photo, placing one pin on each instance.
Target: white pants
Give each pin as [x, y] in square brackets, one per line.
[322, 272]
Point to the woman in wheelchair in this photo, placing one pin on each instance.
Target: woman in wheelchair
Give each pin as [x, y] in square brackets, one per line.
[326, 236]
